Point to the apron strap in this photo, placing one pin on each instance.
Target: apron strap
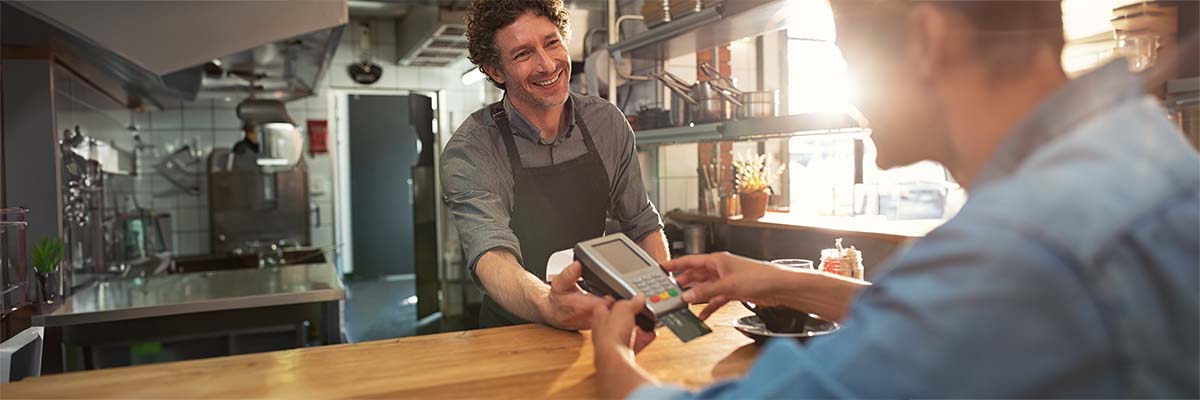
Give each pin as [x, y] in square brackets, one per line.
[501, 118]
[587, 135]
[514, 157]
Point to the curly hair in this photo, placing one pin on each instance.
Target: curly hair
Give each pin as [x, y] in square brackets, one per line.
[485, 17]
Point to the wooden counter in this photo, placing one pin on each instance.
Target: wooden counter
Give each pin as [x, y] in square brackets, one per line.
[527, 361]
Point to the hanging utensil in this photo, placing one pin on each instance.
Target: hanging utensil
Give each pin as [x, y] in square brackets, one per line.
[675, 78]
[364, 71]
[683, 91]
[723, 82]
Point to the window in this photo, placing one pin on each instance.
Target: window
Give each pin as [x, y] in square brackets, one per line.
[826, 175]
[820, 173]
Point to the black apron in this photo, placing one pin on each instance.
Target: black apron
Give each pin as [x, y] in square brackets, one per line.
[554, 207]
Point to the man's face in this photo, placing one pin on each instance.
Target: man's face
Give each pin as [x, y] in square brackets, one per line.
[534, 65]
[899, 104]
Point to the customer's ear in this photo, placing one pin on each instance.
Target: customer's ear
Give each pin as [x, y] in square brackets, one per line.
[930, 44]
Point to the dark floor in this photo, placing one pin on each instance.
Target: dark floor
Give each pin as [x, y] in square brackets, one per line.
[380, 308]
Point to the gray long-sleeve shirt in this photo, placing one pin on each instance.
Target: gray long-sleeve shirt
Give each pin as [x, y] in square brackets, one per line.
[477, 179]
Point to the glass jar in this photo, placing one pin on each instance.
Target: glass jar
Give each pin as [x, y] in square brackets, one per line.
[844, 262]
[831, 262]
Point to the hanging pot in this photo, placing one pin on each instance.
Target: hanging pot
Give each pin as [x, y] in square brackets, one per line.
[364, 71]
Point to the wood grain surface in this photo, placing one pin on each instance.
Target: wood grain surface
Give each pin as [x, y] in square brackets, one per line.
[526, 361]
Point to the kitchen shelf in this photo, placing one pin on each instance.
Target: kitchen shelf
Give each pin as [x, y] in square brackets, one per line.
[757, 128]
[789, 125]
[708, 28]
[679, 134]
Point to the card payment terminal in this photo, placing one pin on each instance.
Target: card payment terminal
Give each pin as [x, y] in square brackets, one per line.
[613, 265]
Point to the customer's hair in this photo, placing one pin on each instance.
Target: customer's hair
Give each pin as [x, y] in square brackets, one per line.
[485, 17]
[1007, 32]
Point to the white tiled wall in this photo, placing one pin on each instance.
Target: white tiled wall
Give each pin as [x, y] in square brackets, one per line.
[678, 177]
[197, 126]
[743, 64]
[320, 172]
[214, 123]
[455, 101]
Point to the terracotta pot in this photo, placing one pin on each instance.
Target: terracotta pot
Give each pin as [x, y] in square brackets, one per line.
[754, 205]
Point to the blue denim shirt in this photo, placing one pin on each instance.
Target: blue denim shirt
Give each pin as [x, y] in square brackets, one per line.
[1072, 271]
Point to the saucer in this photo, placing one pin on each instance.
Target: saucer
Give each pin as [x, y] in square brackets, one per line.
[753, 328]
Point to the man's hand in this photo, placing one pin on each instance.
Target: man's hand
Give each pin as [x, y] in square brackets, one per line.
[614, 345]
[568, 307]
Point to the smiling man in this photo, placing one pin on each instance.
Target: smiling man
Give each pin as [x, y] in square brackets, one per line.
[538, 171]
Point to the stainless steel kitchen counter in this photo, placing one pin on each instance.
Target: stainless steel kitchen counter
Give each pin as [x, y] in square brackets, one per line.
[164, 295]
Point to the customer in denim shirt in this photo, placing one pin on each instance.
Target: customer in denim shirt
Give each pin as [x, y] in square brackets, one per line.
[1072, 270]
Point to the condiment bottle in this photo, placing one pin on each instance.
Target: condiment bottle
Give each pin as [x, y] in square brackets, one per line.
[842, 261]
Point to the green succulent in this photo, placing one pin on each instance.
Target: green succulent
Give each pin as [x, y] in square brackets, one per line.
[47, 255]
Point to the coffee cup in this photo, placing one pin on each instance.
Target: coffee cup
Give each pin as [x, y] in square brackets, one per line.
[798, 263]
[781, 319]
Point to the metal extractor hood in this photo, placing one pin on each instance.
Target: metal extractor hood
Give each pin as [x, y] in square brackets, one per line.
[431, 36]
[202, 49]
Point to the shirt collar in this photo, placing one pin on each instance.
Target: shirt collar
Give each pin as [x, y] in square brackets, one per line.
[1076, 101]
[522, 128]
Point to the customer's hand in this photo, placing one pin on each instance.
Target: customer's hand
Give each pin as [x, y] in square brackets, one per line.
[719, 278]
[613, 329]
[614, 345]
[567, 306]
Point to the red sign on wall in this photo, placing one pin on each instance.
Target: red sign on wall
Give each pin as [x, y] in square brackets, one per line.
[318, 136]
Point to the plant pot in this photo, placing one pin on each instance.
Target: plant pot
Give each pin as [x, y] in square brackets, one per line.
[49, 286]
[754, 205]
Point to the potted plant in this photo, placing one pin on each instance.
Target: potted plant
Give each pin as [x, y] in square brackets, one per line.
[753, 185]
[47, 255]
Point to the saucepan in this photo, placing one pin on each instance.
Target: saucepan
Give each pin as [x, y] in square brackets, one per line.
[682, 101]
[759, 104]
[714, 103]
[717, 98]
